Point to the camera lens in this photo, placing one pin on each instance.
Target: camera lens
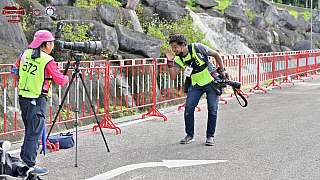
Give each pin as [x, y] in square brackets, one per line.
[90, 47]
[237, 85]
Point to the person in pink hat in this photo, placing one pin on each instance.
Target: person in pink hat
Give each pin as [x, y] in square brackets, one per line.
[34, 70]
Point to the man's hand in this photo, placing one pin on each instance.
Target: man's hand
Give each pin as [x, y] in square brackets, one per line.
[225, 74]
[170, 57]
[168, 54]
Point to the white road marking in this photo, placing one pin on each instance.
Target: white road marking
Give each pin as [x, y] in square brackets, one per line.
[167, 163]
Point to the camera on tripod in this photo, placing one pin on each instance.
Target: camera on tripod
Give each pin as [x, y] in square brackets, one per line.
[90, 47]
[224, 81]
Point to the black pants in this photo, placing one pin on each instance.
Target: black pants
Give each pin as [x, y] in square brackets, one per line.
[33, 118]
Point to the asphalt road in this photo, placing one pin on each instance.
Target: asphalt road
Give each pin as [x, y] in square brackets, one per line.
[275, 137]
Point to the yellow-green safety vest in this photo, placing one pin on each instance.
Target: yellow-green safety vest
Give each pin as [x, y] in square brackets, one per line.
[201, 78]
[32, 75]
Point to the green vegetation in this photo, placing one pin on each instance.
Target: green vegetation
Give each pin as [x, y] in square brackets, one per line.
[24, 22]
[193, 6]
[96, 3]
[76, 32]
[251, 15]
[222, 5]
[121, 114]
[64, 114]
[306, 15]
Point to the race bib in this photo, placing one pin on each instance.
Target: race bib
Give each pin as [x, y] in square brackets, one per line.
[188, 71]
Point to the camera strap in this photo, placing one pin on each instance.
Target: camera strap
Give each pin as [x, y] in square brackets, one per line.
[236, 93]
[192, 63]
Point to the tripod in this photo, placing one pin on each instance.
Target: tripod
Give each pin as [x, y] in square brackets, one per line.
[76, 74]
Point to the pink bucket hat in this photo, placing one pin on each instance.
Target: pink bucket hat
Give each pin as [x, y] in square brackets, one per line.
[40, 37]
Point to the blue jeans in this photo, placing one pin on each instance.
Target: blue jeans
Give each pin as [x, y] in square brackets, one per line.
[193, 97]
[33, 120]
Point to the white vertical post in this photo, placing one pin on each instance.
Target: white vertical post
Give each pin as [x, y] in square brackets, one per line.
[311, 26]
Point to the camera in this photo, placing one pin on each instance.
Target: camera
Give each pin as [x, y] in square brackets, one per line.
[90, 47]
[224, 81]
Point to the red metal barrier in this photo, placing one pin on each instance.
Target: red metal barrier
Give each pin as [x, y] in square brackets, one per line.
[125, 77]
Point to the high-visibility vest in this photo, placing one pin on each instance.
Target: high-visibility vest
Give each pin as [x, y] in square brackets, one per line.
[32, 75]
[200, 74]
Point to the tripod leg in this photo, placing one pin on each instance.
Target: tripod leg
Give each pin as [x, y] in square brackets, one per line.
[95, 114]
[60, 106]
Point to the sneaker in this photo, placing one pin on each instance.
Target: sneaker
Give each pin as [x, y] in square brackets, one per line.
[186, 140]
[39, 171]
[209, 141]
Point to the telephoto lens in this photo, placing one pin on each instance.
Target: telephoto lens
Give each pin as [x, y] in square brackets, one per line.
[90, 47]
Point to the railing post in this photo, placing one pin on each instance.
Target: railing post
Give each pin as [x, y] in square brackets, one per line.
[258, 86]
[154, 111]
[306, 74]
[286, 80]
[315, 73]
[106, 122]
[298, 77]
[273, 83]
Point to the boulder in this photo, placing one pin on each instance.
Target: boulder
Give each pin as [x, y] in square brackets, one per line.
[210, 11]
[315, 16]
[170, 11]
[111, 15]
[264, 47]
[281, 18]
[138, 43]
[315, 27]
[315, 38]
[302, 45]
[284, 39]
[147, 14]
[304, 26]
[206, 3]
[61, 2]
[292, 35]
[258, 6]
[260, 23]
[241, 5]
[249, 42]
[273, 15]
[285, 49]
[182, 3]
[290, 20]
[255, 33]
[76, 13]
[233, 12]
[152, 3]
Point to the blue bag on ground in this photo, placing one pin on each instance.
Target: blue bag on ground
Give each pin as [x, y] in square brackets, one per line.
[65, 140]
